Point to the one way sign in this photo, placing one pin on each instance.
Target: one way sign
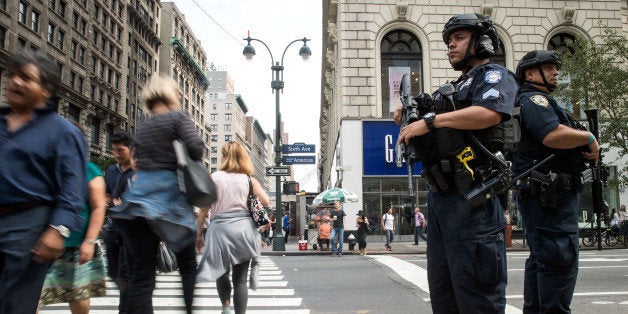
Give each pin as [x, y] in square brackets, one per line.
[278, 171]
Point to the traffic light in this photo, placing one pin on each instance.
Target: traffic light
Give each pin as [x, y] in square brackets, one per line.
[290, 187]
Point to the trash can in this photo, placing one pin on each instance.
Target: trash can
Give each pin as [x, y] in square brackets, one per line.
[351, 240]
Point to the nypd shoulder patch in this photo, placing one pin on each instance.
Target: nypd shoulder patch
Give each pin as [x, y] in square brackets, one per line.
[493, 76]
[539, 100]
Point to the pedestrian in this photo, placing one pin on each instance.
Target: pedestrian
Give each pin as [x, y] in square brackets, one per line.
[42, 180]
[419, 223]
[324, 233]
[549, 210]
[464, 126]
[79, 274]
[388, 225]
[153, 207]
[232, 241]
[272, 232]
[338, 218]
[623, 217]
[116, 178]
[363, 228]
[285, 225]
[614, 218]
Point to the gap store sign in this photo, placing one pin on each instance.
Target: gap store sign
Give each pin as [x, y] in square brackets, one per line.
[379, 139]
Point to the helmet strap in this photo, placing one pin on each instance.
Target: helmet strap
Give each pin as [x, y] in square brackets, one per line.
[459, 66]
[550, 87]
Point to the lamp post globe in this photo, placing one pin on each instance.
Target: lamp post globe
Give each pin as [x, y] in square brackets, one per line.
[277, 85]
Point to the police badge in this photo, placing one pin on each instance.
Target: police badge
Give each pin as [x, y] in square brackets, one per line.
[539, 100]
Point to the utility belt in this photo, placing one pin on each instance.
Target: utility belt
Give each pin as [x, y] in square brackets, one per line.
[547, 187]
[447, 175]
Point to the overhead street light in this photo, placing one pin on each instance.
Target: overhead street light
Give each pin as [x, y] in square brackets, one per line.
[277, 85]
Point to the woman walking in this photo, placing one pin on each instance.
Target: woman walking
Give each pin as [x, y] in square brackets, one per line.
[79, 274]
[363, 227]
[154, 209]
[232, 241]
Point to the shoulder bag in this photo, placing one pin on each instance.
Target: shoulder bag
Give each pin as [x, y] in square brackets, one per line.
[255, 208]
[194, 180]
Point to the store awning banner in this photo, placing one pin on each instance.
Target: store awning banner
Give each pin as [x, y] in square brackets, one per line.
[378, 144]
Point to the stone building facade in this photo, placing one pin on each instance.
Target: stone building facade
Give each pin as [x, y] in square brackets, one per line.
[105, 50]
[256, 140]
[183, 58]
[366, 43]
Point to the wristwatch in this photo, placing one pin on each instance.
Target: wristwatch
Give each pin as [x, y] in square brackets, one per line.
[63, 230]
[429, 120]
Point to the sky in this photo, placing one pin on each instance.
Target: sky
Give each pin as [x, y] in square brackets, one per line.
[221, 26]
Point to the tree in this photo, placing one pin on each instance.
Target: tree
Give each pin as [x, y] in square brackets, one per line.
[103, 162]
[599, 79]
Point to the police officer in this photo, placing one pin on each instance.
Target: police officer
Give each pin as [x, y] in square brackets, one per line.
[549, 206]
[466, 256]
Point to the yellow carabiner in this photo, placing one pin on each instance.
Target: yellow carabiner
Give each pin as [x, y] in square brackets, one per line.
[465, 156]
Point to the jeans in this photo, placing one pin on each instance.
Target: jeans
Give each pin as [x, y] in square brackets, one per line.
[21, 278]
[144, 244]
[117, 267]
[241, 293]
[417, 234]
[341, 239]
[186, 259]
[390, 235]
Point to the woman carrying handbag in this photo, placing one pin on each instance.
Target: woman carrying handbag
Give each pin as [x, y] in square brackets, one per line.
[232, 242]
[154, 209]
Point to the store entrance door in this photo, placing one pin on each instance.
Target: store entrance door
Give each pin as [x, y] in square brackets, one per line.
[403, 215]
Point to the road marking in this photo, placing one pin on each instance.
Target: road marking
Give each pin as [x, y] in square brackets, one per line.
[578, 294]
[271, 297]
[417, 275]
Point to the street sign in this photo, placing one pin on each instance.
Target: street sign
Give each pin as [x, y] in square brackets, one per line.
[278, 171]
[299, 160]
[298, 148]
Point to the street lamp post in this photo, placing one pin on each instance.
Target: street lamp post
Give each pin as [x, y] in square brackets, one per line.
[277, 85]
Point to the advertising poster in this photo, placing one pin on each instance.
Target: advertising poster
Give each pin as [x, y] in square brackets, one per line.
[394, 82]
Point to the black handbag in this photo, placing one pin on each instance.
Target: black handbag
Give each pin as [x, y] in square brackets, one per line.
[194, 180]
[166, 259]
[258, 213]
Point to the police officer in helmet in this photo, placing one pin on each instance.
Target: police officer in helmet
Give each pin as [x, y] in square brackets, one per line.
[466, 256]
[549, 207]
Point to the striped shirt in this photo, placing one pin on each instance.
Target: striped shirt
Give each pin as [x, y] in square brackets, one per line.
[154, 149]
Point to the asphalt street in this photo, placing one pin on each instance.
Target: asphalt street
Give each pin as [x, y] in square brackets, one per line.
[376, 283]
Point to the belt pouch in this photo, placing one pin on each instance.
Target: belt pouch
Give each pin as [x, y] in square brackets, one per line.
[463, 179]
[439, 179]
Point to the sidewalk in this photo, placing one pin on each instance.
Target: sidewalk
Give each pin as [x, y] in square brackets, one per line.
[375, 246]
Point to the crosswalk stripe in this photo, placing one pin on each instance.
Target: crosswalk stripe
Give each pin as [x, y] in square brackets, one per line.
[272, 296]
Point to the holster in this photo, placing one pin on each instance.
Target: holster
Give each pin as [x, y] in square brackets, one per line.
[549, 192]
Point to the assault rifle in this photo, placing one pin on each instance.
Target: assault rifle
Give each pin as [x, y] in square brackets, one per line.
[409, 114]
[599, 175]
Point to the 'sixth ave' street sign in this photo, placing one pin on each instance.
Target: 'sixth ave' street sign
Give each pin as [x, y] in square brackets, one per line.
[298, 148]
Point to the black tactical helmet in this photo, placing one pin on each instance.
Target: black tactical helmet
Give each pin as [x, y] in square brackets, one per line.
[534, 59]
[485, 38]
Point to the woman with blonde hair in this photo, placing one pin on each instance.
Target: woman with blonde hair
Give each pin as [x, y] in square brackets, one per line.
[232, 241]
[154, 209]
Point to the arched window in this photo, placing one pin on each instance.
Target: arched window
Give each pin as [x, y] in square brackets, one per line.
[400, 53]
[562, 43]
[500, 54]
